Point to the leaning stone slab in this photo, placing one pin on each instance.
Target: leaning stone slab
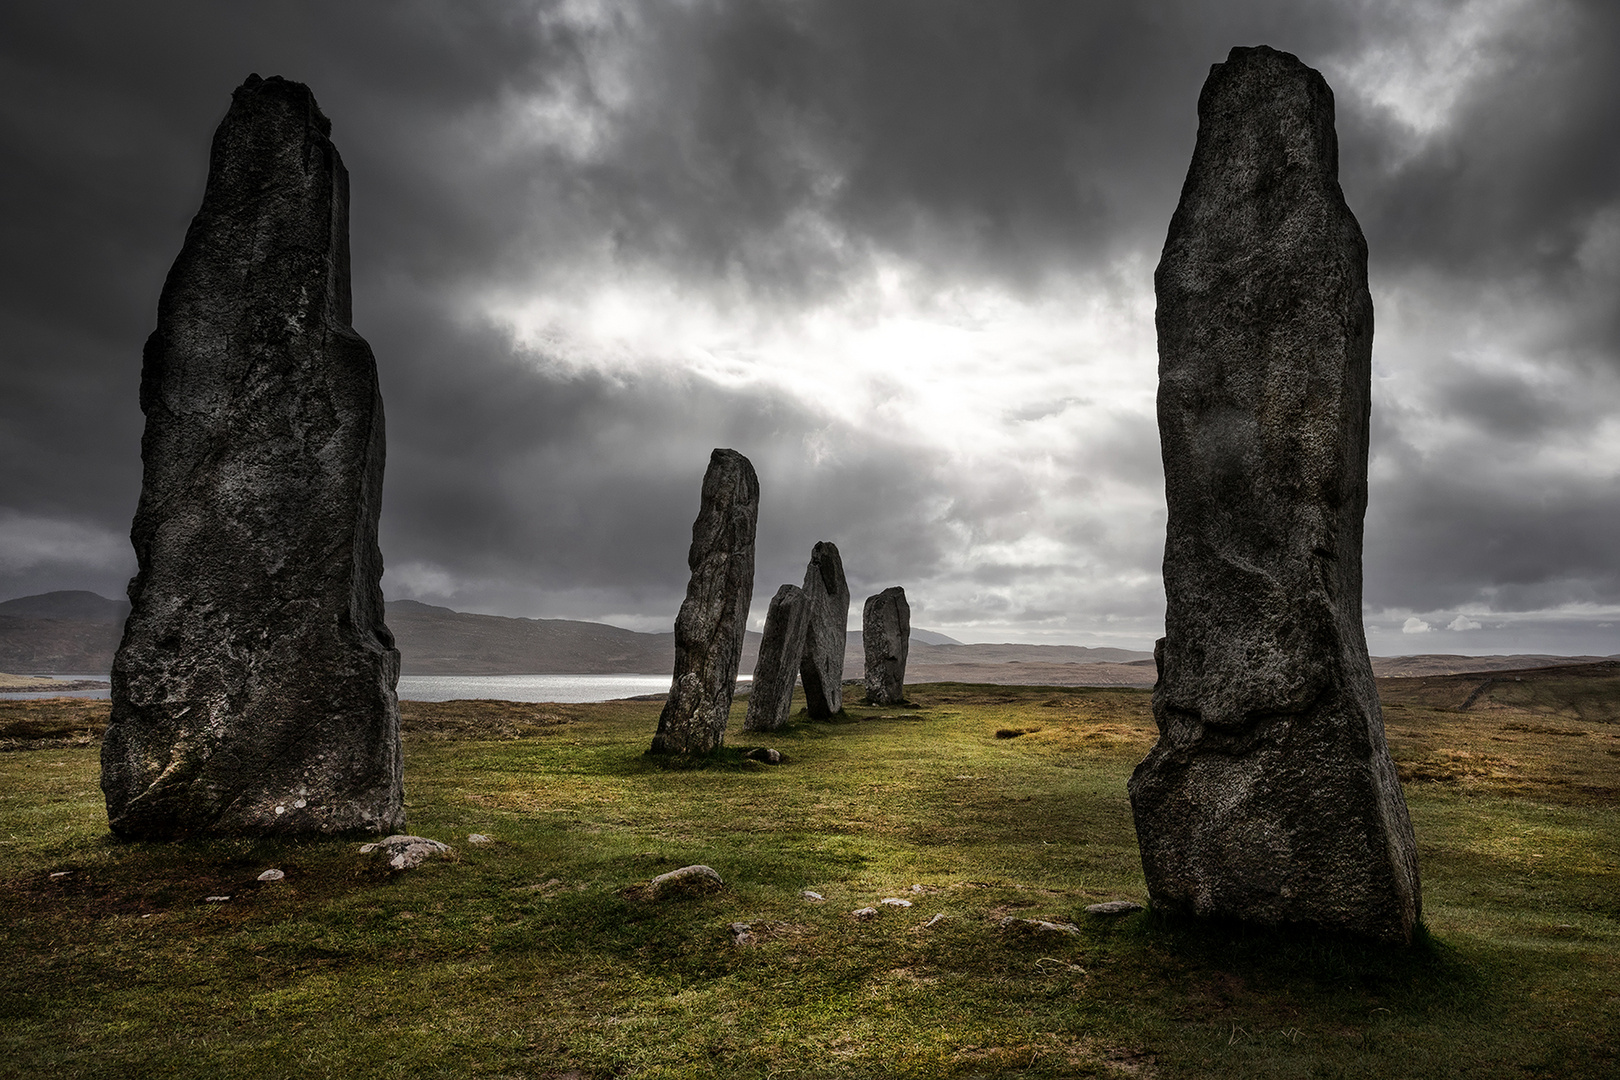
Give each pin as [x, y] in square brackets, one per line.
[885, 638]
[1270, 796]
[714, 616]
[253, 692]
[826, 596]
[770, 698]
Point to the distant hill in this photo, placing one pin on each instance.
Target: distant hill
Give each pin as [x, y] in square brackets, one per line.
[72, 632]
[439, 641]
[76, 632]
[70, 604]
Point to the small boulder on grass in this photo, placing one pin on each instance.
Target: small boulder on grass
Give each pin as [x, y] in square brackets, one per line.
[1037, 926]
[1113, 908]
[696, 880]
[403, 852]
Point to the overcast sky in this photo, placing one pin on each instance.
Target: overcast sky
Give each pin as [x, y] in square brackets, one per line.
[899, 254]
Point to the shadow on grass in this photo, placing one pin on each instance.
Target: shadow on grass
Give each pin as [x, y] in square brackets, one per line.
[1429, 975]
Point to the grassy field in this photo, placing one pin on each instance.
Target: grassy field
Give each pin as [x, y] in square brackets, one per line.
[536, 955]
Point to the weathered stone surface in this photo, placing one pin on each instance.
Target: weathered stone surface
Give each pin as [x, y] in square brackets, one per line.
[826, 597]
[1113, 907]
[886, 637]
[769, 755]
[688, 880]
[770, 699]
[1037, 926]
[714, 616]
[1270, 795]
[405, 852]
[253, 692]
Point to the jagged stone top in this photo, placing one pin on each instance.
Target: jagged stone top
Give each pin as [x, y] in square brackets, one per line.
[1266, 145]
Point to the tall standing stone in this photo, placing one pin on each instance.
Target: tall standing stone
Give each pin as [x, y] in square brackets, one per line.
[1270, 796]
[886, 638]
[253, 692]
[770, 700]
[826, 595]
[714, 616]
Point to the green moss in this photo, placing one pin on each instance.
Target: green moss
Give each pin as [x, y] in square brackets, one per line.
[532, 956]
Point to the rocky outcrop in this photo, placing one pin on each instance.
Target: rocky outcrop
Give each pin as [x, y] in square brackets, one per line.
[826, 598]
[770, 697]
[709, 628]
[1270, 796]
[253, 692]
[886, 637]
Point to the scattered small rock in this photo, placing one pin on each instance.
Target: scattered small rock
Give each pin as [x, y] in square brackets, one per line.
[812, 896]
[865, 913]
[766, 754]
[1038, 926]
[478, 838]
[743, 934]
[917, 889]
[935, 921]
[272, 875]
[1114, 907]
[894, 901]
[406, 852]
[215, 899]
[60, 873]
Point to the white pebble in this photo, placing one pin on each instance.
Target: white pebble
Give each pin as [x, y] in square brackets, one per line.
[272, 875]
[215, 899]
[812, 895]
[478, 838]
[895, 901]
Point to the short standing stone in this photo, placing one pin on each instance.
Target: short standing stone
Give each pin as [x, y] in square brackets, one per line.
[253, 692]
[714, 616]
[826, 596]
[1270, 796]
[886, 637]
[770, 696]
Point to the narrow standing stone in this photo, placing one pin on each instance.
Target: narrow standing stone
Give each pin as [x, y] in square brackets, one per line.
[886, 637]
[770, 700]
[253, 692]
[714, 616]
[827, 598]
[1270, 795]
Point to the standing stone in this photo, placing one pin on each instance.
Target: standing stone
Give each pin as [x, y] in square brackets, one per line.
[714, 616]
[253, 692]
[770, 701]
[827, 598]
[1270, 796]
[886, 637]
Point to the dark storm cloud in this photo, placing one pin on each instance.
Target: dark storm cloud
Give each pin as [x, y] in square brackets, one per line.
[765, 156]
[548, 481]
[1007, 140]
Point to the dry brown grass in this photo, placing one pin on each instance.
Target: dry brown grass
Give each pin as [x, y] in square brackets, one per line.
[1500, 743]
